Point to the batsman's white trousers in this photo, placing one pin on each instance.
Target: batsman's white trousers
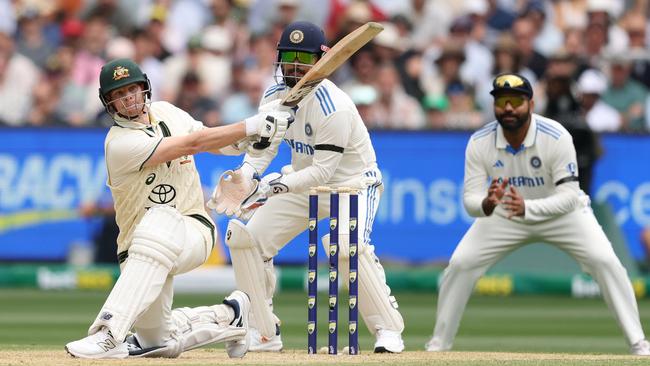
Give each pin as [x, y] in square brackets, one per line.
[155, 324]
[491, 238]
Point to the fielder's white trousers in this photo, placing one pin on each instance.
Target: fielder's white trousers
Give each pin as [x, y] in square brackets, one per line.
[285, 216]
[491, 238]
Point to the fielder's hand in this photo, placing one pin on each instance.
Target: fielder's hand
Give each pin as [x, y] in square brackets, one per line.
[494, 196]
[514, 203]
[234, 187]
[268, 186]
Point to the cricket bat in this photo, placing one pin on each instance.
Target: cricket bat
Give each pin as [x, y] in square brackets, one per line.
[324, 67]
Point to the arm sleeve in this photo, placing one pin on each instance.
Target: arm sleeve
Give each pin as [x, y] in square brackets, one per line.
[474, 184]
[566, 197]
[128, 154]
[331, 139]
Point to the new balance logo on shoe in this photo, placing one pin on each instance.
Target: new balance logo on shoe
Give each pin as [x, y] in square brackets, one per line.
[107, 344]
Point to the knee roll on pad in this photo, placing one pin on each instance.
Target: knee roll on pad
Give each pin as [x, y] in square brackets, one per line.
[160, 235]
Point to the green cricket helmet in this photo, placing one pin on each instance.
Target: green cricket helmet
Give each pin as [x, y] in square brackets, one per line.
[118, 73]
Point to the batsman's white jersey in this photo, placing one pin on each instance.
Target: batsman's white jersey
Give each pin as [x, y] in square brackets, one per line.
[544, 171]
[330, 145]
[135, 188]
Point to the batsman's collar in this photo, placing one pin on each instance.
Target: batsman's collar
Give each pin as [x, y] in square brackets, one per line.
[529, 140]
[123, 122]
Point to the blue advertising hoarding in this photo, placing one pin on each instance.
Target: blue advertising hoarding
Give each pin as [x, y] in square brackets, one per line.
[46, 174]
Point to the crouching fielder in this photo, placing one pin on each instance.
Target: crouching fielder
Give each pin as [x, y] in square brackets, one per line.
[533, 196]
[164, 229]
[330, 145]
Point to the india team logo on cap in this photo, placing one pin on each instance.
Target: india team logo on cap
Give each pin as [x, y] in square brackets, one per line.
[296, 36]
[120, 72]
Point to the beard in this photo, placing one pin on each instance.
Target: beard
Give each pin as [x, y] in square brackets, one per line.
[292, 74]
[513, 121]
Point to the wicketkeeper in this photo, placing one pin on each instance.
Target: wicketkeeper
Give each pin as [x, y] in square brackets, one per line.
[329, 146]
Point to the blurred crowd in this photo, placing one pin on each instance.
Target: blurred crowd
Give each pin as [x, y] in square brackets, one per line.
[431, 67]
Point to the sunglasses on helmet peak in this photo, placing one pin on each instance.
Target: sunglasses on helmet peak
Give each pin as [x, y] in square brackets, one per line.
[508, 80]
[514, 100]
[302, 57]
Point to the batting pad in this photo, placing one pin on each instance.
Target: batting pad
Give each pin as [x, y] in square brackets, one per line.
[157, 243]
[376, 305]
[250, 275]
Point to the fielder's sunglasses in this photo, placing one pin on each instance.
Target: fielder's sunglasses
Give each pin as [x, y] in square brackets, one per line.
[302, 57]
[511, 81]
[514, 100]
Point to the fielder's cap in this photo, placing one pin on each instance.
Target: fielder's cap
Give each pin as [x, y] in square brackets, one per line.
[509, 83]
[592, 82]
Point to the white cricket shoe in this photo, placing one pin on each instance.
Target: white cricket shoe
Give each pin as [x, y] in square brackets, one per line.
[258, 343]
[98, 345]
[434, 345]
[241, 304]
[640, 348]
[389, 341]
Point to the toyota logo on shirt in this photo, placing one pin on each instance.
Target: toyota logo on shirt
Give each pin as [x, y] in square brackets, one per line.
[162, 194]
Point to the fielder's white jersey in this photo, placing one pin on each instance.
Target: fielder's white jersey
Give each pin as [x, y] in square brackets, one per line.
[544, 169]
[329, 142]
[135, 188]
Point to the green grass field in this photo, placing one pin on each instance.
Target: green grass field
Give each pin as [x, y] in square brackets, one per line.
[41, 321]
